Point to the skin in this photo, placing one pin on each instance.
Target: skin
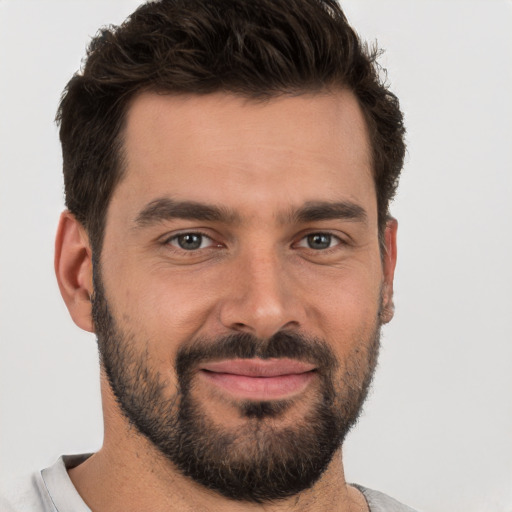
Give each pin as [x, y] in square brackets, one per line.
[254, 273]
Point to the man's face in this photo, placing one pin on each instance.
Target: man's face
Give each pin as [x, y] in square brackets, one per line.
[240, 285]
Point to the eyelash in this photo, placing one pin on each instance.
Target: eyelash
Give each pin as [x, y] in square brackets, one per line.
[333, 238]
[303, 239]
[167, 241]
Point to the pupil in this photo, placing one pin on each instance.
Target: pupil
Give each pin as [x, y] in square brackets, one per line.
[190, 241]
[319, 241]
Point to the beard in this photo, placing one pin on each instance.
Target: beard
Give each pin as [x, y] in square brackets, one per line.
[260, 461]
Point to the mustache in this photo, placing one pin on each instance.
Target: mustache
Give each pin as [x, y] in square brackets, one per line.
[247, 346]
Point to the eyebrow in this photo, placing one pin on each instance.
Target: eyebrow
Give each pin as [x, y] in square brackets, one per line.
[167, 209]
[320, 210]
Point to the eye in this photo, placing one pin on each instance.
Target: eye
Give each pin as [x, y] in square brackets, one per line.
[191, 241]
[319, 241]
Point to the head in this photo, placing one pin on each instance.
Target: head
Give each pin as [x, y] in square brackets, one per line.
[256, 50]
[228, 169]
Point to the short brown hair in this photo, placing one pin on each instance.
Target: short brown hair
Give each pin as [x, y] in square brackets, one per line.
[254, 48]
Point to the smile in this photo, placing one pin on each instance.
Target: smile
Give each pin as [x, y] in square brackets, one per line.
[259, 379]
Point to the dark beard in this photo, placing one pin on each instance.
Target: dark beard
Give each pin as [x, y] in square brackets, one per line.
[258, 462]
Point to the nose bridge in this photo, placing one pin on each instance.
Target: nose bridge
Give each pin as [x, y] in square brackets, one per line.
[261, 300]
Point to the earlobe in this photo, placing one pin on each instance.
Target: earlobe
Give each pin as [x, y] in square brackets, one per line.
[389, 257]
[73, 268]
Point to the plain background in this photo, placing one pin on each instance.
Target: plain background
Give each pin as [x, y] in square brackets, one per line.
[436, 431]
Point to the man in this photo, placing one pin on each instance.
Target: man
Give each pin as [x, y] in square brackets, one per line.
[228, 168]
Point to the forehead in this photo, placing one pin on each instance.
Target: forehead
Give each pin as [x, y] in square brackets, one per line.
[223, 149]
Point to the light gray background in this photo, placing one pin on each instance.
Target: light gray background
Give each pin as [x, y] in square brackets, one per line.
[436, 432]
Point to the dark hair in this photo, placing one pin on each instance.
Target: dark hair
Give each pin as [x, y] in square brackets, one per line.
[255, 48]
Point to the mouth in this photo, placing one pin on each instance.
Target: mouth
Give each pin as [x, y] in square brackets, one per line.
[259, 379]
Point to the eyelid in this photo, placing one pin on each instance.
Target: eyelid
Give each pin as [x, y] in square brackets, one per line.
[167, 239]
[304, 236]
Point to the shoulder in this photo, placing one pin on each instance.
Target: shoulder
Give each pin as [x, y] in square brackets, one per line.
[49, 490]
[25, 494]
[380, 502]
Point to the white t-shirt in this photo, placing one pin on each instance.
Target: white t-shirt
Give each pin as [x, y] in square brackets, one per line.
[51, 490]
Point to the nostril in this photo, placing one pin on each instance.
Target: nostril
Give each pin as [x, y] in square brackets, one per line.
[292, 325]
[239, 326]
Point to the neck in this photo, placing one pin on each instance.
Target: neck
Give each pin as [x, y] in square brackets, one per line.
[130, 474]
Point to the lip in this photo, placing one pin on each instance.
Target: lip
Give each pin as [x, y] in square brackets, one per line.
[259, 379]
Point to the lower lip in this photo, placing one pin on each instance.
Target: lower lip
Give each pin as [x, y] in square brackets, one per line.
[259, 388]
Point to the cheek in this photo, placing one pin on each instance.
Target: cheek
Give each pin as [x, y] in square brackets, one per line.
[346, 307]
[179, 311]
[164, 307]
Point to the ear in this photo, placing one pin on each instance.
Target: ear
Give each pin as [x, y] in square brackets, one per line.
[388, 266]
[73, 267]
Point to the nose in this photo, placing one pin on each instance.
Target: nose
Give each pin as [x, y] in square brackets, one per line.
[261, 297]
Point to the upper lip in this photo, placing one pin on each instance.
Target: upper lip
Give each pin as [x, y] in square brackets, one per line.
[259, 367]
